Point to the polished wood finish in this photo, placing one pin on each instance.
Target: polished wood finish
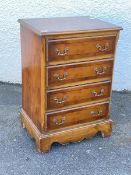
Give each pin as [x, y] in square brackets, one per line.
[70, 49]
[67, 25]
[77, 95]
[79, 73]
[67, 74]
[85, 114]
[33, 89]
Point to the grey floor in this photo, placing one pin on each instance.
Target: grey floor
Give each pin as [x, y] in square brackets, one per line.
[109, 156]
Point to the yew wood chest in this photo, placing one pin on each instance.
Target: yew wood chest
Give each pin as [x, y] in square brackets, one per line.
[67, 70]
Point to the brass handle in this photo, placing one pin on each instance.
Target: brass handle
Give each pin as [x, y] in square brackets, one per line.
[59, 77]
[100, 71]
[97, 114]
[58, 51]
[104, 48]
[96, 94]
[57, 101]
[59, 122]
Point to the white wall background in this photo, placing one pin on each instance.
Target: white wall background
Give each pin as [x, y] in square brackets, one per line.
[114, 11]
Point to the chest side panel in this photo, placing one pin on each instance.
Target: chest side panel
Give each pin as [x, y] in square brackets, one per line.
[32, 52]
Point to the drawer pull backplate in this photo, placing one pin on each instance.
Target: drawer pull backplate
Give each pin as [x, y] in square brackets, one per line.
[57, 101]
[97, 114]
[59, 53]
[100, 71]
[96, 94]
[59, 77]
[104, 48]
[59, 122]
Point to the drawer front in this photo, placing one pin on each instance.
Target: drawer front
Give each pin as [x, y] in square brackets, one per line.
[77, 95]
[63, 75]
[77, 116]
[71, 49]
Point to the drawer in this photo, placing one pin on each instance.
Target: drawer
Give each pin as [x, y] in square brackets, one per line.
[77, 116]
[77, 95]
[74, 73]
[78, 48]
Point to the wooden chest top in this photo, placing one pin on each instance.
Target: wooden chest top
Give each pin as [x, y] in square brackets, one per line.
[59, 25]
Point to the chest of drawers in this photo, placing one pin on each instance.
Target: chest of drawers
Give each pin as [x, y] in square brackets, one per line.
[67, 69]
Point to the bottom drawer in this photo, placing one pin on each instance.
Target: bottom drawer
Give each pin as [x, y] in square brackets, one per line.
[70, 117]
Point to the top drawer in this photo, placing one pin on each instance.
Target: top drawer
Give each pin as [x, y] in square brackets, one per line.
[64, 50]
